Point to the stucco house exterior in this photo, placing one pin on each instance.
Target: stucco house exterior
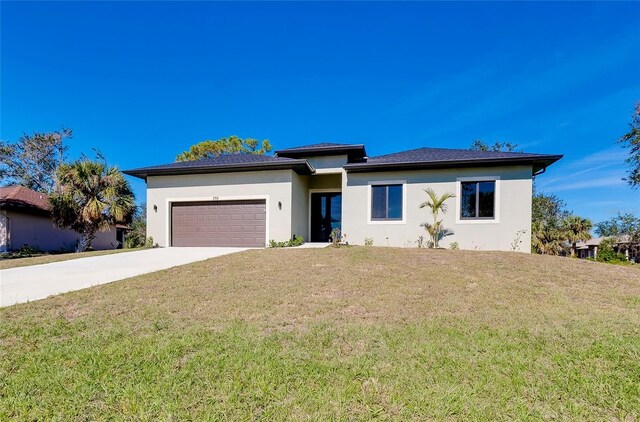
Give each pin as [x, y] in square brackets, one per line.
[248, 200]
[25, 219]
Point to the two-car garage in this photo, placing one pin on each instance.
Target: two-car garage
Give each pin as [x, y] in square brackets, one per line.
[219, 223]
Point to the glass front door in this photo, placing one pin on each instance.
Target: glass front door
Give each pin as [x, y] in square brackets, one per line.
[326, 215]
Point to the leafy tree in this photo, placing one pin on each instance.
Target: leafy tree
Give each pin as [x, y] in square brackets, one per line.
[548, 213]
[618, 225]
[546, 238]
[549, 208]
[224, 146]
[480, 145]
[137, 236]
[34, 159]
[92, 196]
[607, 253]
[631, 140]
[576, 229]
[436, 203]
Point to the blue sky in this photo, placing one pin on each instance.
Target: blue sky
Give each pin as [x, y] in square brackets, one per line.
[143, 81]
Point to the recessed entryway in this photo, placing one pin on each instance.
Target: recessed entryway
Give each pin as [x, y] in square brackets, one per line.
[326, 215]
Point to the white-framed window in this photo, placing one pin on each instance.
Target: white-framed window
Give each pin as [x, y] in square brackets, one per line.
[478, 199]
[387, 202]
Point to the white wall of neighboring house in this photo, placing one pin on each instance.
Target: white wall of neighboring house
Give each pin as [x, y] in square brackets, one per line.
[38, 231]
[513, 208]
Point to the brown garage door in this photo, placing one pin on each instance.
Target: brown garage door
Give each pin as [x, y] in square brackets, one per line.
[218, 223]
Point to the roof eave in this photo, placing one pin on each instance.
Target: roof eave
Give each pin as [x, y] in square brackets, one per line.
[321, 151]
[299, 166]
[536, 162]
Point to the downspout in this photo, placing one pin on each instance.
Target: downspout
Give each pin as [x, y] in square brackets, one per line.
[540, 172]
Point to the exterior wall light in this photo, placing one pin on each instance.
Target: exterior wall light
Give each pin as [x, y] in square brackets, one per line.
[155, 208]
[279, 205]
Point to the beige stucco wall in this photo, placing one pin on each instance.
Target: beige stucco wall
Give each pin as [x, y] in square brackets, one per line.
[326, 181]
[513, 202]
[273, 186]
[39, 232]
[513, 205]
[327, 164]
[300, 205]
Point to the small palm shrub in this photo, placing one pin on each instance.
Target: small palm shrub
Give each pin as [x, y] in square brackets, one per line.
[436, 203]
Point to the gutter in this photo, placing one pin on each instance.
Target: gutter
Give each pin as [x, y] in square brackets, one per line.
[299, 166]
[544, 161]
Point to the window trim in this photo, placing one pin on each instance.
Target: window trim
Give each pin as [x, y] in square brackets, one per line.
[496, 201]
[402, 220]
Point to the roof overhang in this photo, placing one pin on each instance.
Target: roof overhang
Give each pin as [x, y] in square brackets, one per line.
[299, 166]
[537, 163]
[354, 151]
[23, 207]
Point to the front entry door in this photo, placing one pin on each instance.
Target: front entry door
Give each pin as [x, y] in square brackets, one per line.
[326, 215]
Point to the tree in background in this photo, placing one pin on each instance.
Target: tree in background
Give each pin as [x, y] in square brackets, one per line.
[576, 229]
[547, 215]
[619, 225]
[631, 140]
[436, 204]
[225, 146]
[546, 238]
[480, 145]
[34, 159]
[137, 235]
[92, 196]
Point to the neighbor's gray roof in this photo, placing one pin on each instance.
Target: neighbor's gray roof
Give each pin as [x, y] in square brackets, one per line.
[596, 241]
[225, 163]
[442, 157]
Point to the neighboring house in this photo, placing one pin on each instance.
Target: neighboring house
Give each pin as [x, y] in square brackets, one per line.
[589, 248]
[247, 200]
[25, 219]
[622, 244]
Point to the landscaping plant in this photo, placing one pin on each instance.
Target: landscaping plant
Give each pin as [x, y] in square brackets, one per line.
[436, 203]
[92, 196]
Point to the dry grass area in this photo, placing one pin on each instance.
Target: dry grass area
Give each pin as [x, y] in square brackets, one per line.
[348, 333]
[15, 262]
[291, 289]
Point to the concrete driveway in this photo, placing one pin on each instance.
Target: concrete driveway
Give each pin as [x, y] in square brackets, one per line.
[24, 284]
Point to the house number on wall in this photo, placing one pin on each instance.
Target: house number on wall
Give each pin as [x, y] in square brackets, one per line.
[215, 198]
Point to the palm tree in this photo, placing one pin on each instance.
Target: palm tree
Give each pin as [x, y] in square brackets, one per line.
[546, 239]
[436, 204]
[90, 196]
[576, 229]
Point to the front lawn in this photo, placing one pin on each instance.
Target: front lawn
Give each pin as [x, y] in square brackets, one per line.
[12, 261]
[349, 333]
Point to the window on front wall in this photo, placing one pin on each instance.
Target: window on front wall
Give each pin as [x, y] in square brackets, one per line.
[478, 200]
[386, 202]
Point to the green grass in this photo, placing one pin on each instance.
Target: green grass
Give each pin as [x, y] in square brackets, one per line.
[346, 334]
[20, 261]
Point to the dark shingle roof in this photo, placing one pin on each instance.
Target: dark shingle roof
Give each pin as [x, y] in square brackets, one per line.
[354, 151]
[441, 157]
[293, 159]
[322, 145]
[224, 163]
